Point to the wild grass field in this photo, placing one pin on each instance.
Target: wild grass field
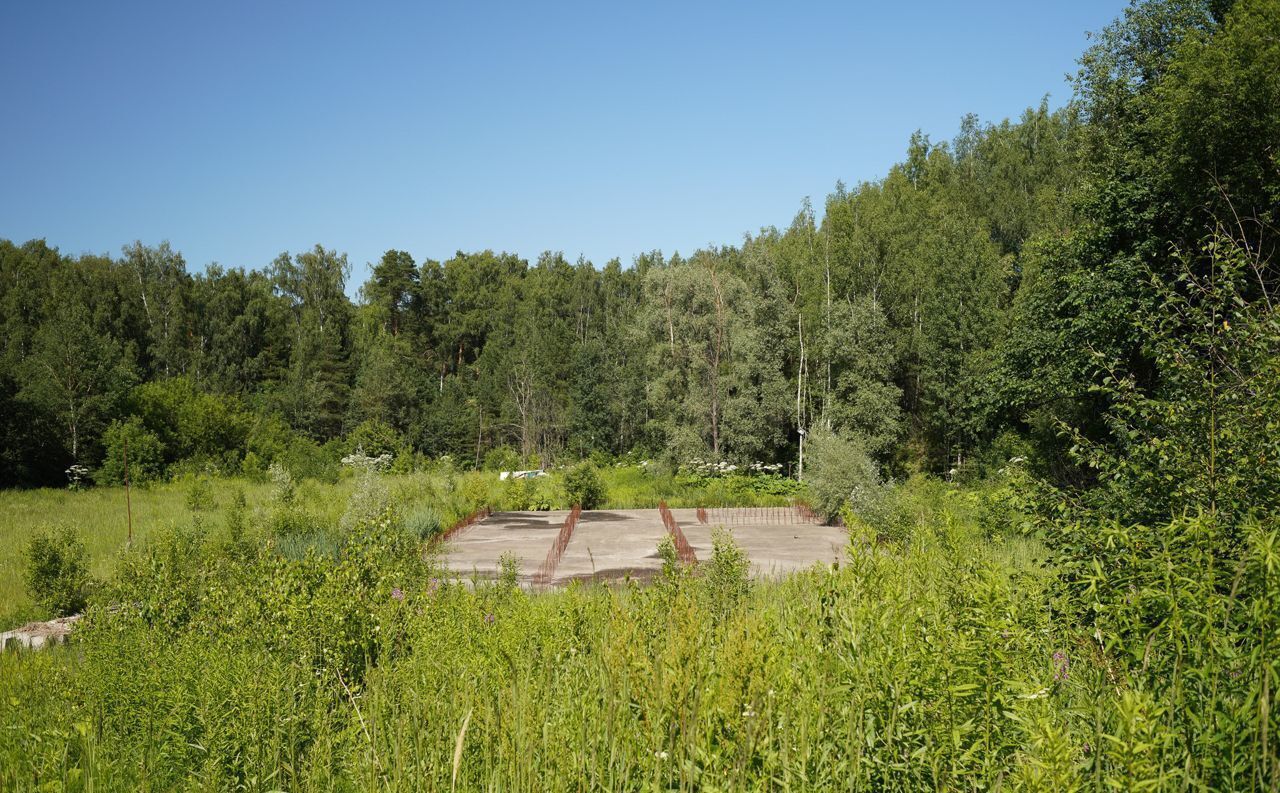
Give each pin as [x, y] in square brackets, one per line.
[428, 499]
[943, 658]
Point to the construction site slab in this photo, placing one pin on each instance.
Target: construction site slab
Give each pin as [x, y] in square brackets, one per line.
[475, 550]
[777, 540]
[612, 545]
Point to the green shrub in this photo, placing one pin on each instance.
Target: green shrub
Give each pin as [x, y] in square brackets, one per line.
[726, 576]
[236, 515]
[527, 494]
[502, 458]
[57, 574]
[253, 468]
[373, 438]
[423, 523]
[146, 453]
[840, 473]
[474, 491]
[269, 438]
[162, 582]
[307, 459]
[508, 571]
[582, 486]
[189, 422]
[283, 489]
[369, 500]
[199, 496]
[672, 569]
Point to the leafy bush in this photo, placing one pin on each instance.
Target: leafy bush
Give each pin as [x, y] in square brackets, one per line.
[374, 438]
[236, 515]
[268, 438]
[528, 494]
[369, 500]
[57, 573]
[189, 422]
[474, 491]
[199, 496]
[582, 486]
[1203, 436]
[253, 468]
[840, 473]
[508, 571]
[283, 489]
[726, 575]
[501, 458]
[672, 569]
[423, 523]
[306, 459]
[742, 486]
[146, 453]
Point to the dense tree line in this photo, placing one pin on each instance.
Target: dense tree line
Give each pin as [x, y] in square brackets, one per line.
[970, 305]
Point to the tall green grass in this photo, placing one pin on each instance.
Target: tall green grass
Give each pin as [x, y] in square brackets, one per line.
[896, 669]
[427, 499]
[946, 658]
[99, 516]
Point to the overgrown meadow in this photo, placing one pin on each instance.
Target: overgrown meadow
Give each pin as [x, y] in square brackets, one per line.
[426, 501]
[942, 654]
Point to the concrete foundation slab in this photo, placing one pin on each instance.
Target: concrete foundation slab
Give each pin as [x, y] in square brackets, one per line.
[475, 550]
[612, 545]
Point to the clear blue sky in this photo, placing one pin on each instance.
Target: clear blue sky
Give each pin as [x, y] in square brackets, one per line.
[240, 130]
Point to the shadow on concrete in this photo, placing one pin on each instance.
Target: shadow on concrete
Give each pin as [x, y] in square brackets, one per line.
[600, 516]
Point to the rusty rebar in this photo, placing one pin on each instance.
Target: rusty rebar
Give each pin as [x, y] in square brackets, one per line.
[547, 570]
[683, 548]
[462, 523]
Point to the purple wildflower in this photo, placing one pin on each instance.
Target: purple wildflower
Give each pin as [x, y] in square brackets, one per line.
[397, 594]
[433, 586]
[488, 618]
[1061, 665]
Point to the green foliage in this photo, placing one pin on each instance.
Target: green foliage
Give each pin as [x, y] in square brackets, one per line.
[146, 454]
[200, 494]
[582, 486]
[529, 494]
[236, 516]
[503, 458]
[474, 492]
[374, 438]
[76, 373]
[508, 571]
[970, 631]
[1205, 435]
[57, 571]
[191, 424]
[368, 501]
[672, 568]
[283, 488]
[840, 474]
[1194, 633]
[725, 574]
[423, 523]
[307, 459]
[964, 635]
[867, 402]
[253, 468]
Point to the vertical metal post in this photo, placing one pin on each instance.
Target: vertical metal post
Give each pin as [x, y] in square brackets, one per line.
[128, 502]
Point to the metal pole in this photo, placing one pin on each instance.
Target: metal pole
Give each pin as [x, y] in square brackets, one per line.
[128, 502]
